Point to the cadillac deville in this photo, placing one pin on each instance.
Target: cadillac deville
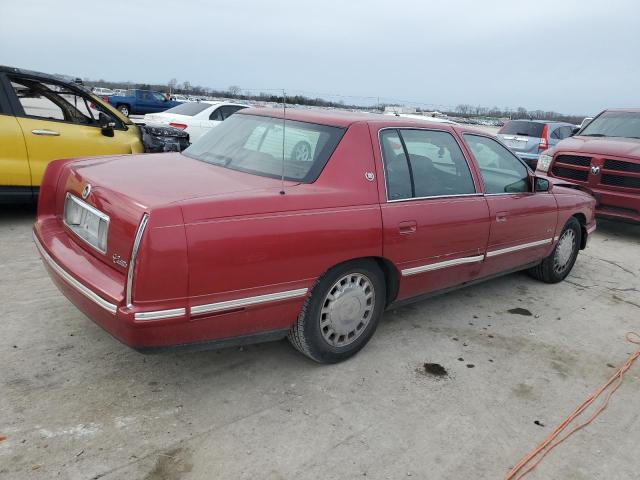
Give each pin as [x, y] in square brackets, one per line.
[241, 239]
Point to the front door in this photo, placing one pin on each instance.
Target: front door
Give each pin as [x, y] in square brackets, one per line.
[436, 221]
[61, 123]
[523, 222]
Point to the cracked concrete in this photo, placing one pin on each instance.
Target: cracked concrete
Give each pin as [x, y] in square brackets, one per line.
[76, 404]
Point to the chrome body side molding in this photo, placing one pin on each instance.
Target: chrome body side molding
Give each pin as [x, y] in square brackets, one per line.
[437, 266]
[522, 246]
[248, 301]
[161, 314]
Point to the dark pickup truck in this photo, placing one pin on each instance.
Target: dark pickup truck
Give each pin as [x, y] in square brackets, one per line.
[140, 102]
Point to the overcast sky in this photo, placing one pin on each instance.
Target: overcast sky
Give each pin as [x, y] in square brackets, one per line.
[563, 55]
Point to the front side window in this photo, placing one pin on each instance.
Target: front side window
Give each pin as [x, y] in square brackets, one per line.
[51, 101]
[501, 171]
[254, 144]
[424, 163]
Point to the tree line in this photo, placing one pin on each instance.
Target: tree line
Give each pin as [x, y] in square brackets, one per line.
[235, 92]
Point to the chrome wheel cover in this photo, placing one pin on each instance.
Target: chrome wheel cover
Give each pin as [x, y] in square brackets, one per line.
[564, 251]
[347, 309]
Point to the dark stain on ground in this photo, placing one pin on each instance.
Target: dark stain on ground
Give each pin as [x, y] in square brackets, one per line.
[610, 366]
[461, 359]
[434, 369]
[520, 311]
[470, 365]
[171, 465]
[539, 423]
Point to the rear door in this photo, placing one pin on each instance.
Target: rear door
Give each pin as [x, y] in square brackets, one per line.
[58, 122]
[522, 222]
[435, 219]
[15, 176]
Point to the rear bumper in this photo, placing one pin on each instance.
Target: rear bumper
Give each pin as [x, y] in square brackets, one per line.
[98, 291]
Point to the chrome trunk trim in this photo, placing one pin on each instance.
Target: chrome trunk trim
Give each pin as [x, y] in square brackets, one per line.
[437, 266]
[247, 301]
[522, 246]
[90, 294]
[132, 259]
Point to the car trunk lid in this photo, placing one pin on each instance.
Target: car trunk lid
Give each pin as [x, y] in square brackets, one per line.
[124, 188]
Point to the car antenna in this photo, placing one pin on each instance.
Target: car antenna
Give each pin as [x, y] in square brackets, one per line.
[284, 118]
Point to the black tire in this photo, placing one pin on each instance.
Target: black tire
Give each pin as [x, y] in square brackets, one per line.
[301, 152]
[124, 109]
[308, 335]
[549, 270]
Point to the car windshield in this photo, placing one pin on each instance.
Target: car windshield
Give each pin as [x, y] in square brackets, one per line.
[189, 109]
[614, 124]
[254, 144]
[523, 127]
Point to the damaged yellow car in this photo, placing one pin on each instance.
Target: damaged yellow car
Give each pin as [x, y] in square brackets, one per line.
[44, 118]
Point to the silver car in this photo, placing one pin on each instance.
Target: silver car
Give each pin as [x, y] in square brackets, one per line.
[529, 138]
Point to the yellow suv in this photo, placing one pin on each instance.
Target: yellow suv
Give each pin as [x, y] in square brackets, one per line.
[44, 118]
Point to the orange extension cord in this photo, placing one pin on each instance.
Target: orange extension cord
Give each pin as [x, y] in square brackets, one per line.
[531, 460]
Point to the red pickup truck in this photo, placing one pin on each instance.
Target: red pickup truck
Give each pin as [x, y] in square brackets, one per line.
[605, 157]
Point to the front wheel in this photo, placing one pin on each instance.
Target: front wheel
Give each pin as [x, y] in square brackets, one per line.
[557, 266]
[342, 312]
[124, 109]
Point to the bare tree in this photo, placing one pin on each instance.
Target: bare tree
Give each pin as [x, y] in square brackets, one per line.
[234, 90]
[172, 84]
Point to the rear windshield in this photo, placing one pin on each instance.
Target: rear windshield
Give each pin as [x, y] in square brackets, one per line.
[614, 124]
[190, 109]
[254, 144]
[523, 127]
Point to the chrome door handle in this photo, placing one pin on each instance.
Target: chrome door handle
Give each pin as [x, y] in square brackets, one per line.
[50, 133]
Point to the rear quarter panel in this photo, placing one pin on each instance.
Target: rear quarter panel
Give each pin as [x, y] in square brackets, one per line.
[235, 252]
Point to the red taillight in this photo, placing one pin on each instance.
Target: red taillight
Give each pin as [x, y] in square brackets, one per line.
[544, 139]
[105, 99]
[181, 126]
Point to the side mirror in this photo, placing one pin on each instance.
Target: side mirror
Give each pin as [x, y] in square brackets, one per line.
[106, 124]
[574, 131]
[541, 184]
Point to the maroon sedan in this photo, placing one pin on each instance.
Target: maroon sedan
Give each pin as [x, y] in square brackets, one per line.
[307, 227]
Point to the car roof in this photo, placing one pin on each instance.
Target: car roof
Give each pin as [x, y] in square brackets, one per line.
[549, 122]
[629, 110]
[344, 119]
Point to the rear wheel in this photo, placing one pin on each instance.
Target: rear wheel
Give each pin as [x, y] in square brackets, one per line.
[124, 109]
[342, 312]
[557, 266]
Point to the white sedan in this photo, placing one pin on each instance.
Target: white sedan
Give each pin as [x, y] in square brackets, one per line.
[196, 118]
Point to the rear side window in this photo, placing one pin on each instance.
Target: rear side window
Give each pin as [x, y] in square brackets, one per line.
[190, 109]
[424, 163]
[523, 128]
[501, 171]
